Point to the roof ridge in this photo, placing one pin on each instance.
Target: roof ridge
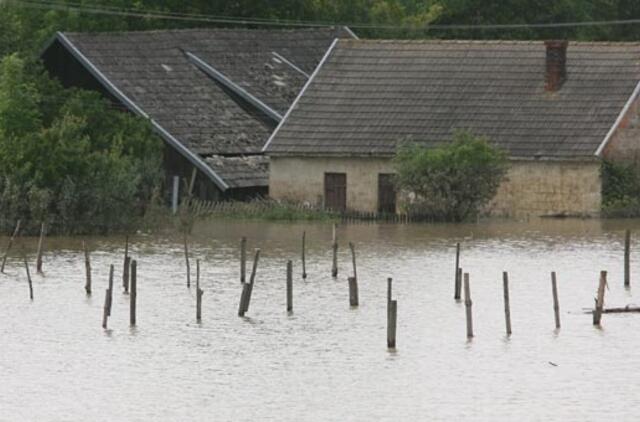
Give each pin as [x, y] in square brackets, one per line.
[209, 29]
[483, 42]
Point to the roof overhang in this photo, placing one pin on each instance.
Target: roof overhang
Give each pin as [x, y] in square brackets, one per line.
[134, 108]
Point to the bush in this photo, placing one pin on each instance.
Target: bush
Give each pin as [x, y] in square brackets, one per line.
[68, 158]
[451, 182]
[620, 189]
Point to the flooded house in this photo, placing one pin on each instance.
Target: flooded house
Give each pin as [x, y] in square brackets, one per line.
[557, 108]
[213, 95]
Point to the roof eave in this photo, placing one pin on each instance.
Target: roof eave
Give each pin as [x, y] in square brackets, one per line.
[619, 119]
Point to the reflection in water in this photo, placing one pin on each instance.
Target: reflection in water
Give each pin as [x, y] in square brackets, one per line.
[326, 361]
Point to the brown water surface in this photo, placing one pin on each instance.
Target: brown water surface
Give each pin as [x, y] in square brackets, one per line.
[326, 362]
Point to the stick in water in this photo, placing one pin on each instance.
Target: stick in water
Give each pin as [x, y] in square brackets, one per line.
[9, 244]
[186, 258]
[87, 267]
[199, 293]
[304, 264]
[26, 267]
[556, 303]
[40, 249]
[334, 245]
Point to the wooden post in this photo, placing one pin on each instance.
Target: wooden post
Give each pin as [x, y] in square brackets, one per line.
[334, 267]
[457, 282]
[627, 253]
[458, 288]
[110, 290]
[133, 292]
[289, 286]
[556, 302]
[597, 312]
[468, 303]
[186, 258]
[105, 310]
[389, 287]
[353, 291]
[125, 274]
[87, 267]
[507, 309]
[9, 244]
[175, 193]
[243, 260]
[40, 246]
[353, 258]
[199, 293]
[247, 288]
[392, 319]
[304, 264]
[26, 267]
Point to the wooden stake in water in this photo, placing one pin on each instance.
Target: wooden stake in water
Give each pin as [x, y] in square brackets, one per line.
[353, 291]
[334, 267]
[247, 288]
[26, 267]
[186, 258]
[199, 293]
[125, 274]
[467, 304]
[457, 281]
[389, 287]
[87, 268]
[243, 260]
[392, 319]
[9, 244]
[556, 302]
[110, 290]
[353, 258]
[105, 309]
[597, 313]
[40, 248]
[507, 310]
[289, 286]
[133, 292]
[304, 264]
[627, 256]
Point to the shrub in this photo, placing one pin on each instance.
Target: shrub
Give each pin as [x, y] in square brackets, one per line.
[620, 189]
[451, 182]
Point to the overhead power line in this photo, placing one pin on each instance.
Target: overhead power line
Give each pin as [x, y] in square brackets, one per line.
[216, 19]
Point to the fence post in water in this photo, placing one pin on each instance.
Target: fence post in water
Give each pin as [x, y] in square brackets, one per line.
[458, 290]
[353, 258]
[597, 312]
[133, 292]
[243, 259]
[289, 286]
[110, 290]
[627, 253]
[353, 291]
[186, 258]
[556, 302]
[175, 192]
[199, 293]
[87, 268]
[6, 252]
[468, 303]
[125, 274]
[40, 246]
[26, 267]
[334, 245]
[389, 287]
[507, 309]
[105, 309]
[304, 264]
[392, 319]
[247, 288]
[456, 293]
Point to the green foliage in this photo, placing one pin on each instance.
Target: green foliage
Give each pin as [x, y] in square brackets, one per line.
[68, 158]
[451, 182]
[620, 189]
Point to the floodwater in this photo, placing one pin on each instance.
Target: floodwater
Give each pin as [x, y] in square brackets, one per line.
[326, 361]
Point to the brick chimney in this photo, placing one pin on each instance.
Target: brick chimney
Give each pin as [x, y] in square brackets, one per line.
[556, 64]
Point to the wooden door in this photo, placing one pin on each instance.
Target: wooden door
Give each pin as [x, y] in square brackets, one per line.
[335, 191]
[386, 194]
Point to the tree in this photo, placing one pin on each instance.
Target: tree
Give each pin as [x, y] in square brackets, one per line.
[450, 182]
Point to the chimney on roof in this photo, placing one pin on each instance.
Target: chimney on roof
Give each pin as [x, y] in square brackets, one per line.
[556, 64]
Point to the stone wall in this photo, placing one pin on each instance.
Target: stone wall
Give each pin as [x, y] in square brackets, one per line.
[533, 187]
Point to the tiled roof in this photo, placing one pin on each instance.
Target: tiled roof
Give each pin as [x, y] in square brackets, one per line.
[151, 68]
[241, 172]
[370, 94]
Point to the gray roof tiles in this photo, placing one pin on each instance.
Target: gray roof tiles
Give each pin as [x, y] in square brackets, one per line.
[370, 94]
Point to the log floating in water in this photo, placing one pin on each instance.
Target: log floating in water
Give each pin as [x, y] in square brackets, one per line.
[9, 244]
